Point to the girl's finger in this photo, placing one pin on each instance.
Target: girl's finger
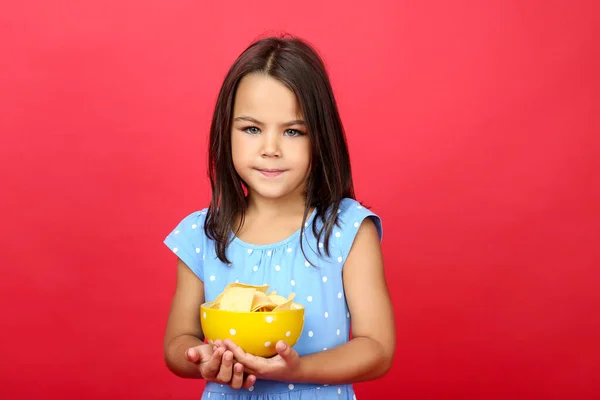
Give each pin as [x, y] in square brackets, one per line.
[226, 370]
[210, 369]
[238, 376]
[250, 381]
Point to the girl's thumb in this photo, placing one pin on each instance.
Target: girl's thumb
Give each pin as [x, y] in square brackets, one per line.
[192, 354]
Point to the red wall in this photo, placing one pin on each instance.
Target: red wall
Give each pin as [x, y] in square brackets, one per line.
[474, 132]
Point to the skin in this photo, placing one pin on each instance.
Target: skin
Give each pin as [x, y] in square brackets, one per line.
[268, 133]
[185, 353]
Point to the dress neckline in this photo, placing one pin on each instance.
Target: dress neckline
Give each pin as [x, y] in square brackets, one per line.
[280, 243]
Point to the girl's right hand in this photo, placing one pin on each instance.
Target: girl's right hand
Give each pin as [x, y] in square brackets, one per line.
[216, 364]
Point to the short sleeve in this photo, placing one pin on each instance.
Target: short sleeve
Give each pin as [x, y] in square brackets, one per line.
[187, 240]
[351, 216]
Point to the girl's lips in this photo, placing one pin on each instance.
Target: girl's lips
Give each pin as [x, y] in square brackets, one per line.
[271, 173]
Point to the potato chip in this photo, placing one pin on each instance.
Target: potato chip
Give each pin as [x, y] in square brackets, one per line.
[260, 288]
[277, 299]
[261, 301]
[286, 304]
[252, 298]
[237, 299]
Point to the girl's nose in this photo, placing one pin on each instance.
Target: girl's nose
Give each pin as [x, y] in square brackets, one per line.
[271, 145]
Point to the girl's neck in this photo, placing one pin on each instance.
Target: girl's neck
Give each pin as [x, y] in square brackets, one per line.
[272, 208]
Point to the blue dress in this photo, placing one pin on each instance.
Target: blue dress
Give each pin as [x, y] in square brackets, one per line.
[282, 265]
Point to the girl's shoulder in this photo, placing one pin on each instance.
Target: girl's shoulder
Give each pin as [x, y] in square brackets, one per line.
[352, 213]
[188, 240]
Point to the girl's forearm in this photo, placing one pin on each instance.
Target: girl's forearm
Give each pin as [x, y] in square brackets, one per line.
[175, 356]
[358, 360]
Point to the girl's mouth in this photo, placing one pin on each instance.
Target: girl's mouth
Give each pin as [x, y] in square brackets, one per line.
[271, 173]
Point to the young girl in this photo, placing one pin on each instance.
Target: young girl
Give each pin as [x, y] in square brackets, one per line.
[283, 213]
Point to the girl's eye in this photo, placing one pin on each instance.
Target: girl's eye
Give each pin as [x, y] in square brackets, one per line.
[293, 133]
[252, 130]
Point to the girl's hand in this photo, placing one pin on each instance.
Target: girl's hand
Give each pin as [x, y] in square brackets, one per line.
[216, 364]
[281, 367]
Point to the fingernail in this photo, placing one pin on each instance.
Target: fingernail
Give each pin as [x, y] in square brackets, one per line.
[228, 356]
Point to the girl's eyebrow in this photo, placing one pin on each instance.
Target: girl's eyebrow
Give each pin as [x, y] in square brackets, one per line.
[257, 122]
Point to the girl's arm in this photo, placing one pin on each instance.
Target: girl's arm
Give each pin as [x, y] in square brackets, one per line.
[370, 353]
[183, 329]
[185, 352]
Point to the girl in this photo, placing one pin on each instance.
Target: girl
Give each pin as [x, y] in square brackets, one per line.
[282, 212]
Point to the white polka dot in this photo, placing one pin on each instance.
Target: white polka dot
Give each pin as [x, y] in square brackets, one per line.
[340, 259]
[337, 234]
[249, 251]
[232, 331]
[337, 332]
[197, 250]
[310, 333]
[267, 344]
[237, 281]
[326, 384]
[339, 295]
[251, 388]
[305, 224]
[212, 278]
[255, 268]
[277, 268]
[318, 387]
[339, 391]
[324, 348]
[356, 224]
[291, 386]
[293, 282]
[326, 314]
[354, 397]
[177, 232]
[289, 250]
[309, 298]
[306, 264]
[204, 256]
[269, 319]
[209, 395]
[194, 226]
[269, 253]
[175, 250]
[360, 207]
[320, 245]
[288, 333]
[324, 279]
[348, 315]
[204, 314]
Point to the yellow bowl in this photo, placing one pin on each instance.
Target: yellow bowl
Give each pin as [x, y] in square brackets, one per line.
[256, 333]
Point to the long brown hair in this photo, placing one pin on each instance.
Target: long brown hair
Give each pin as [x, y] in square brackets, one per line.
[297, 65]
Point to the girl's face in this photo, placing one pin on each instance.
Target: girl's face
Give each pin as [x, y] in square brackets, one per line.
[270, 146]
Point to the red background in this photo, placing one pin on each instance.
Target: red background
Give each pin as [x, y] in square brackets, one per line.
[473, 129]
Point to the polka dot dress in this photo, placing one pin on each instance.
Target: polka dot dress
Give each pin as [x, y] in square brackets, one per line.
[315, 278]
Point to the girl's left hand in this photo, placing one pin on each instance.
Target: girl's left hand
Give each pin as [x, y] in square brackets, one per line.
[280, 367]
